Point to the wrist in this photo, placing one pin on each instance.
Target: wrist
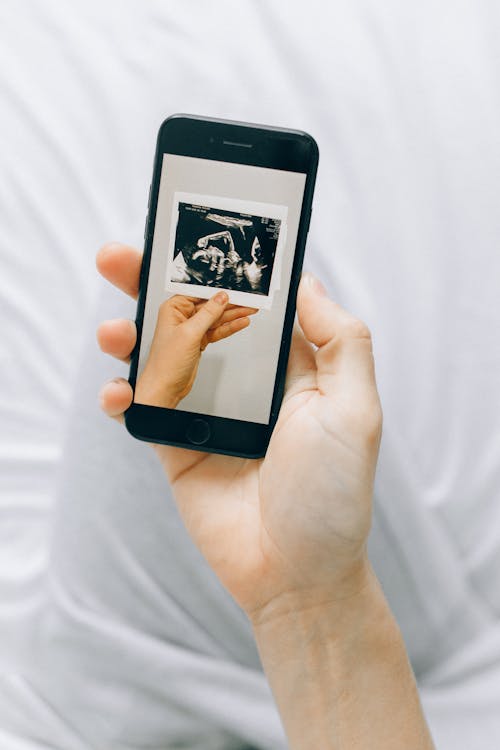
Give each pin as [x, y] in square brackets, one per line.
[347, 590]
[340, 674]
[351, 624]
[149, 393]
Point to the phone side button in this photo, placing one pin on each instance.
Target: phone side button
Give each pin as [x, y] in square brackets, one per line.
[309, 219]
[198, 432]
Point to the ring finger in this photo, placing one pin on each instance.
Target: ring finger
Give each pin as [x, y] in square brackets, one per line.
[115, 397]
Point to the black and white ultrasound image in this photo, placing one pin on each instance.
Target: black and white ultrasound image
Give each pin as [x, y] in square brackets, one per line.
[225, 249]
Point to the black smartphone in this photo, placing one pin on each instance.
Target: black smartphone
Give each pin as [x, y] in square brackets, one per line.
[229, 210]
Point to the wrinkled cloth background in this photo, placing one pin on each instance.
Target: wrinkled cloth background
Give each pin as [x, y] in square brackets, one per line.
[114, 633]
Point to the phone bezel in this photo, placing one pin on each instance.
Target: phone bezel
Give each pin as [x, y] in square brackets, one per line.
[239, 143]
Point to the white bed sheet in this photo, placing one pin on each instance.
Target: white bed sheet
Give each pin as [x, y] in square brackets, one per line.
[403, 100]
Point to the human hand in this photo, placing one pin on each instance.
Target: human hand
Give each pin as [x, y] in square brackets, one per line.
[184, 328]
[289, 530]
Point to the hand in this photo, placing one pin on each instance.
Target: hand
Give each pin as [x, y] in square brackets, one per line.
[184, 328]
[288, 530]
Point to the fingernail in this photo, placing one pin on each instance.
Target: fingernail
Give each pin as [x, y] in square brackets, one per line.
[110, 382]
[315, 284]
[113, 381]
[111, 245]
[221, 298]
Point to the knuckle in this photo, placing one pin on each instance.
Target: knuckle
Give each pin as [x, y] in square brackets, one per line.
[211, 311]
[371, 423]
[353, 328]
[164, 307]
[209, 308]
[201, 320]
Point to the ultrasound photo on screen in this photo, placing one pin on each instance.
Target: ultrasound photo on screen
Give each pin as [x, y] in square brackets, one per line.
[215, 247]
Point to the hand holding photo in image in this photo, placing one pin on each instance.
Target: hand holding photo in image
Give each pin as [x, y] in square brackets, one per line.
[184, 328]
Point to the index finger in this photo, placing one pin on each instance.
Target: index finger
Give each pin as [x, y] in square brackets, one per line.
[121, 265]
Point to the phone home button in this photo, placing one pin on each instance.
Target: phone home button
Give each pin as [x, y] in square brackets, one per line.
[198, 432]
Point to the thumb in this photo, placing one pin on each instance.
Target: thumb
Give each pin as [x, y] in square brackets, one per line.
[344, 342]
[207, 315]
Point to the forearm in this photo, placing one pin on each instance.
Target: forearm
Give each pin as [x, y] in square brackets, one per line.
[340, 674]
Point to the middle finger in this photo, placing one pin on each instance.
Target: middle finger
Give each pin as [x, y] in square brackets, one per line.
[232, 312]
[117, 337]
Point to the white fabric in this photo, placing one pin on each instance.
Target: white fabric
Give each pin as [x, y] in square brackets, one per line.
[113, 632]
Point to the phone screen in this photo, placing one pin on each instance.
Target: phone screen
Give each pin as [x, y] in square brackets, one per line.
[233, 227]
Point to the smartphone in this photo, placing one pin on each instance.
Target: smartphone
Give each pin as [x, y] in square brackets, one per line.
[229, 210]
